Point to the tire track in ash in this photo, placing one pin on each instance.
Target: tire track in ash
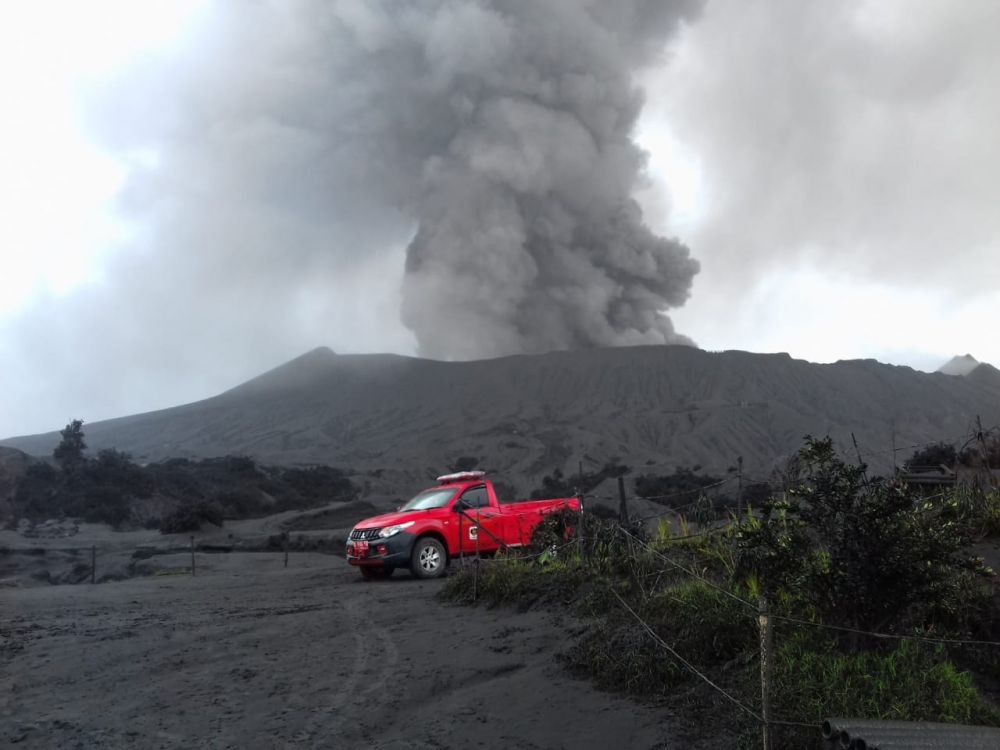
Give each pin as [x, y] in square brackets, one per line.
[376, 658]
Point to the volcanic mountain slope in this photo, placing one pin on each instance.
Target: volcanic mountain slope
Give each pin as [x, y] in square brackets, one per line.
[653, 408]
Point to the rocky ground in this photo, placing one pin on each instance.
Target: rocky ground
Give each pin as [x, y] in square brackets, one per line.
[250, 654]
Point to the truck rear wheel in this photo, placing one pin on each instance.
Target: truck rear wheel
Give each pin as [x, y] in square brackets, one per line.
[429, 558]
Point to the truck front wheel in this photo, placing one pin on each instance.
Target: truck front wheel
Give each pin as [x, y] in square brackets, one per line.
[429, 558]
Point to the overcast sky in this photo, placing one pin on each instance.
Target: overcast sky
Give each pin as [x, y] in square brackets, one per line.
[833, 167]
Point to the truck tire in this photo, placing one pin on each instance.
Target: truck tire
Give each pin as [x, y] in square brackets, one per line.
[375, 574]
[429, 558]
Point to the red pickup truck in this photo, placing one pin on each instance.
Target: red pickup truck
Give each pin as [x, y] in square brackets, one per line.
[443, 522]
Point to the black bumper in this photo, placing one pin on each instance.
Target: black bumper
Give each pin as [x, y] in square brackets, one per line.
[398, 549]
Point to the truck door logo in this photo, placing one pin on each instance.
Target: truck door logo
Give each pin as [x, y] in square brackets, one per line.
[473, 532]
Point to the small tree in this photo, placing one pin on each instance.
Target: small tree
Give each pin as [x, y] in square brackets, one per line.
[69, 453]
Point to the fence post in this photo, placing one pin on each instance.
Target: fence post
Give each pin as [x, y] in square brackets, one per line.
[93, 564]
[766, 643]
[192, 555]
[581, 531]
[622, 502]
[475, 574]
[285, 545]
[739, 492]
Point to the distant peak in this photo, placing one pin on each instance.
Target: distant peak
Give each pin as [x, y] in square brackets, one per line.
[959, 365]
[319, 354]
[321, 351]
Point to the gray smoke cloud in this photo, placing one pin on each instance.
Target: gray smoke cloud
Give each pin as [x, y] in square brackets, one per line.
[855, 138]
[503, 129]
[529, 239]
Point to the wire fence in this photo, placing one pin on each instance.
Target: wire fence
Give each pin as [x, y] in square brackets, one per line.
[100, 563]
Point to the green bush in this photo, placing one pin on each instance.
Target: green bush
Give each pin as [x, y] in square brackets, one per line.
[867, 554]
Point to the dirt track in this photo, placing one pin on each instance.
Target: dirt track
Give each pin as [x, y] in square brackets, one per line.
[249, 654]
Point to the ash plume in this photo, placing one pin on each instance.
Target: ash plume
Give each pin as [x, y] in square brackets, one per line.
[492, 137]
[529, 239]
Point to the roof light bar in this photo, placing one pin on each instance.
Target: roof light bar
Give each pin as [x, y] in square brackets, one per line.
[461, 476]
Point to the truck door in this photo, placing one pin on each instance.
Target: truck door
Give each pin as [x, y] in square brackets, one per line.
[480, 520]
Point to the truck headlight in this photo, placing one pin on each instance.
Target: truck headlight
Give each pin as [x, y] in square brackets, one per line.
[393, 530]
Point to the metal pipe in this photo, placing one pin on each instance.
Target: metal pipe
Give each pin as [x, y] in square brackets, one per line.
[869, 734]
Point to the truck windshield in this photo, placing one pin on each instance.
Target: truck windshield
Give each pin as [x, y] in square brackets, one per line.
[430, 499]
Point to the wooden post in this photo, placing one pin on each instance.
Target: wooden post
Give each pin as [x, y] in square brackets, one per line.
[766, 643]
[861, 461]
[192, 555]
[285, 545]
[739, 491]
[93, 564]
[986, 471]
[622, 502]
[895, 468]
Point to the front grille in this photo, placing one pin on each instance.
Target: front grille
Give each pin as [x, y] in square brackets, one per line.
[364, 535]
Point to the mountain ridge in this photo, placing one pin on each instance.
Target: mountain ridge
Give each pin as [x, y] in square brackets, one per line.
[652, 407]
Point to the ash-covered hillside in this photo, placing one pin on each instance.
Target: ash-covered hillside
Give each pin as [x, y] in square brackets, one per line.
[649, 407]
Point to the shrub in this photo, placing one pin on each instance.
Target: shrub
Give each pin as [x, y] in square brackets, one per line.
[190, 517]
[102, 505]
[241, 503]
[315, 485]
[559, 485]
[866, 554]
